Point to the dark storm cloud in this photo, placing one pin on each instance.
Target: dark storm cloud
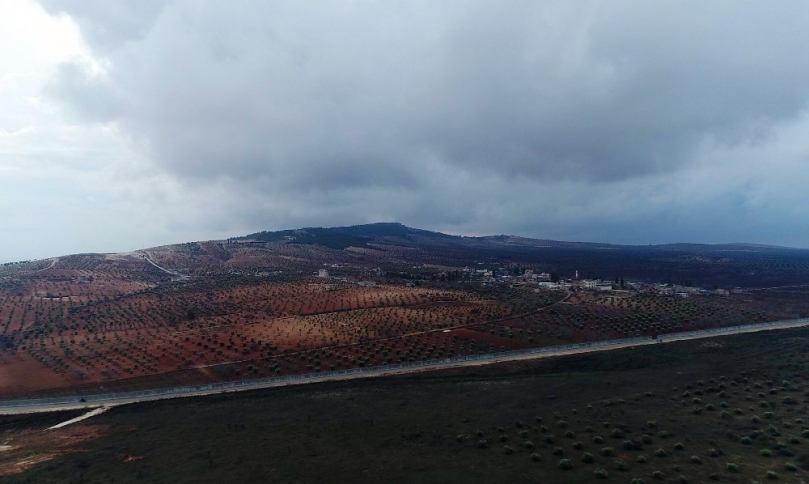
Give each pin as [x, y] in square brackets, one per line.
[339, 102]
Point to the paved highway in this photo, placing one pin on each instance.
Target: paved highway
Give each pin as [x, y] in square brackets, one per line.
[110, 400]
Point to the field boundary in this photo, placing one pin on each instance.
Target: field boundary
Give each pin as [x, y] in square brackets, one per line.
[119, 398]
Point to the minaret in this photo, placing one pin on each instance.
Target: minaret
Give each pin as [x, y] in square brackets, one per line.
[577, 273]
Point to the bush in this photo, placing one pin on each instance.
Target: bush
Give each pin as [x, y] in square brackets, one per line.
[566, 464]
[587, 458]
[601, 474]
[637, 480]
[646, 439]
[607, 452]
[746, 440]
[523, 433]
[658, 475]
[791, 467]
[598, 439]
[714, 452]
[695, 459]
[682, 479]
[558, 451]
[772, 475]
[621, 465]
[504, 438]
[483, 444]
[508, 450]
[661, 453]
[679, 446]
[641, 459]
[528, 444]
[765, 453]
[536, 457]
[578, 445]
[731, 467]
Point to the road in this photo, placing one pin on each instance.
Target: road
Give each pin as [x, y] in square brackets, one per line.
[167, 271]
[95, 401]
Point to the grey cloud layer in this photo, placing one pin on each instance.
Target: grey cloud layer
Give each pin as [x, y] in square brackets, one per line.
[329, 109]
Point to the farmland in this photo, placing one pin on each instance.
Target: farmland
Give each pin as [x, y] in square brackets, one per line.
[237, 309]
[728, 409]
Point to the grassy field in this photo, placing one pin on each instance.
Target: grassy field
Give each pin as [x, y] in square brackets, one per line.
[730, 409]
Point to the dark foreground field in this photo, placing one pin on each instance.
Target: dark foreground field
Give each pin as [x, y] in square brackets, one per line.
[730, 409]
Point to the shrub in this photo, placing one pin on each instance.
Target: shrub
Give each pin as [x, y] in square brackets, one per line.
[607, 451]
[790, 467]
[587, 458]
[562, 424]
[658, 475]
[566, 464]
[598, 439]
[558, 451]
[483, 444]
[746, 440]
[805, 434]
[679, 446]
[460, 438]
[508, 450]
[528, 444]
[578, 445]
[570, 435]
[765, 453]
[504, 438]
[641, 459]
[651, 424]
[601, 474]
[682, 479]
[523, 433]
[714, 452]
[732, 467]
[695, 459]
[661, 453]
[536, 457]
[637, 480]
[646, 439]
[617, 434]
[621, 465]
[772, 475]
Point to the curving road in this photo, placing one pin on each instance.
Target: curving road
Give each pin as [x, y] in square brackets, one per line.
[110, 400]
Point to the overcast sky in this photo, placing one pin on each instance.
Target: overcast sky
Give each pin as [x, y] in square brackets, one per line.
[126, 125]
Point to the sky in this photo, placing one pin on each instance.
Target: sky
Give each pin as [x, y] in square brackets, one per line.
[126, 125]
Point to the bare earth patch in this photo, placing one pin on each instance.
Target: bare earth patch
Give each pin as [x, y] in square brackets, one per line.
[26, 448]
